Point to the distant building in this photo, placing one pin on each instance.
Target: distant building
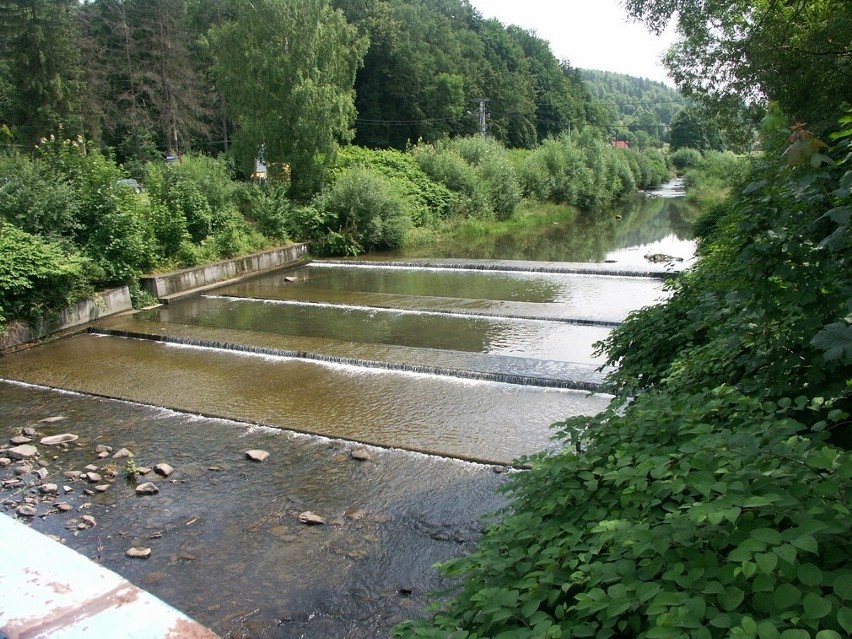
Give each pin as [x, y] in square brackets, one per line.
[620, 144]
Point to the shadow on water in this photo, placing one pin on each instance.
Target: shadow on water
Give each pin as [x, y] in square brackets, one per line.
[227, 544]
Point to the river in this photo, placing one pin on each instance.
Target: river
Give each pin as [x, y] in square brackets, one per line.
[441, 368]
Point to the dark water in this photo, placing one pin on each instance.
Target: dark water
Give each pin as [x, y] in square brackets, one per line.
[401, 358]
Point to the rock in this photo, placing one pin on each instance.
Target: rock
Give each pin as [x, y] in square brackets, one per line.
[360, 454]
[88, 521]
[91, 468]
[29, 431]
[102, 488]
[257, 455]
[354, 513]
[88, 492]
[23, 469]
[24, 451]
[4, 461]
[138, 552]
[17, 440]
[12, 483]
[63, 506]
[67, 489]
[41, 473]
[103, 454]
[93, 478]
[55, 440]
[52, 420]
[121, 453]
[73, 474]
[48, 488]
[163, 469]
[148, 488]
[310, 518]
[26, 510]
[289, 278]
[103, 448]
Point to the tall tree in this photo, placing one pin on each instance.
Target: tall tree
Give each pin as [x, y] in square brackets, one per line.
[39, 48]
[286, 69]
[797, 53]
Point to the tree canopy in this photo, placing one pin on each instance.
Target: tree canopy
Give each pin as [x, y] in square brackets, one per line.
[734, 53]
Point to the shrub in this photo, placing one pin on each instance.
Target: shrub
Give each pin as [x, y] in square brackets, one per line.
[365, 211]
[685, 158]
[37, 276]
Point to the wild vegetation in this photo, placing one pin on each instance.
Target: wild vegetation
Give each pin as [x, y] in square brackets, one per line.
[710, 500]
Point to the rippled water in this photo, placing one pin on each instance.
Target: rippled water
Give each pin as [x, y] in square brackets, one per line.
[403, 359]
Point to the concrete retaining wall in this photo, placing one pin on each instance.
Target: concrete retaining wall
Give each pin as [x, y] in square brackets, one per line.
[189, 279]
[101, 305]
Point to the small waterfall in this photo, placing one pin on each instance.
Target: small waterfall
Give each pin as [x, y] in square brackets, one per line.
[590, 385]
[578, 321]
[567, 268]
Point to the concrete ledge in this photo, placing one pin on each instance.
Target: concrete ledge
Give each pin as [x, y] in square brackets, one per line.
[50, 591]
[103, 304]
[168, 285]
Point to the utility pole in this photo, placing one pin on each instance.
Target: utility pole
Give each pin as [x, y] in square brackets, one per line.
[483, 127]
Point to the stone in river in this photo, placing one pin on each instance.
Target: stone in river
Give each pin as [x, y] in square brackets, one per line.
[354, 513]
[93, 478]
[163, 469]
[4, 461]
[48, 488]
[51, 420]
[121, 453]
[55, 440]
[24, 451]
[17, 440]
[311, 518]
[360, 454]
[257, 455]
[138, 552]
[148, 488]
[26, 510]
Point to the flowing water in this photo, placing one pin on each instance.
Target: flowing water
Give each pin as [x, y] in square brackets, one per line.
[447, 366]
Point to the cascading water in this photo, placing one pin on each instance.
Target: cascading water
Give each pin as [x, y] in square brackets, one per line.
[464, 360]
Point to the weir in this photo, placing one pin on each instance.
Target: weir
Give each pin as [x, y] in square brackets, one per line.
[442, 374]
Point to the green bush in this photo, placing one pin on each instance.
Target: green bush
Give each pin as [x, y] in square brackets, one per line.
[36, 200]
[445, 166]
[685, 158]
[710, 499]
[364, 211]
[37, 276]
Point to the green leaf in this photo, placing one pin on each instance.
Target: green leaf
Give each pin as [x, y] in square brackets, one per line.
[786, 595]
[766, 561]
[809, 575]
[767, 535]
[767, 630]
[828, 634]
[835, 340]
[844, 618]
[843, 586]
[806, 543]
[815, 606]
[731, 598]
[795, 633]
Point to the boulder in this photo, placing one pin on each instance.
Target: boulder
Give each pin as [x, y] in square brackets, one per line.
[257, 455]
[55, 440]
[138, 552]
[311, 518]
[17, 440]
[148, 488]
[163, 469]
[121, 453]
[51, 420]
[360, 454]
[24, 451]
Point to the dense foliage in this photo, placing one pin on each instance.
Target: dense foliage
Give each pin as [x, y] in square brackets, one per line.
[734, 55]
[710, 500]
[637, 110]
[151, 77]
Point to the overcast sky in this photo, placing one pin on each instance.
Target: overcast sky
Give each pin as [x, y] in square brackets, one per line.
[590, 34]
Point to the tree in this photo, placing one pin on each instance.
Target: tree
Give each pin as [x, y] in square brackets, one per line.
[286, 69]
[39, 46]
[690, 129]
[798, 54]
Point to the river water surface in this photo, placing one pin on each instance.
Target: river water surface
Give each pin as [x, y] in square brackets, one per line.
[447, 366]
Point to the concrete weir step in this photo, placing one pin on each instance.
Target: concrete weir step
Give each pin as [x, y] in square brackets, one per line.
[51, 591]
